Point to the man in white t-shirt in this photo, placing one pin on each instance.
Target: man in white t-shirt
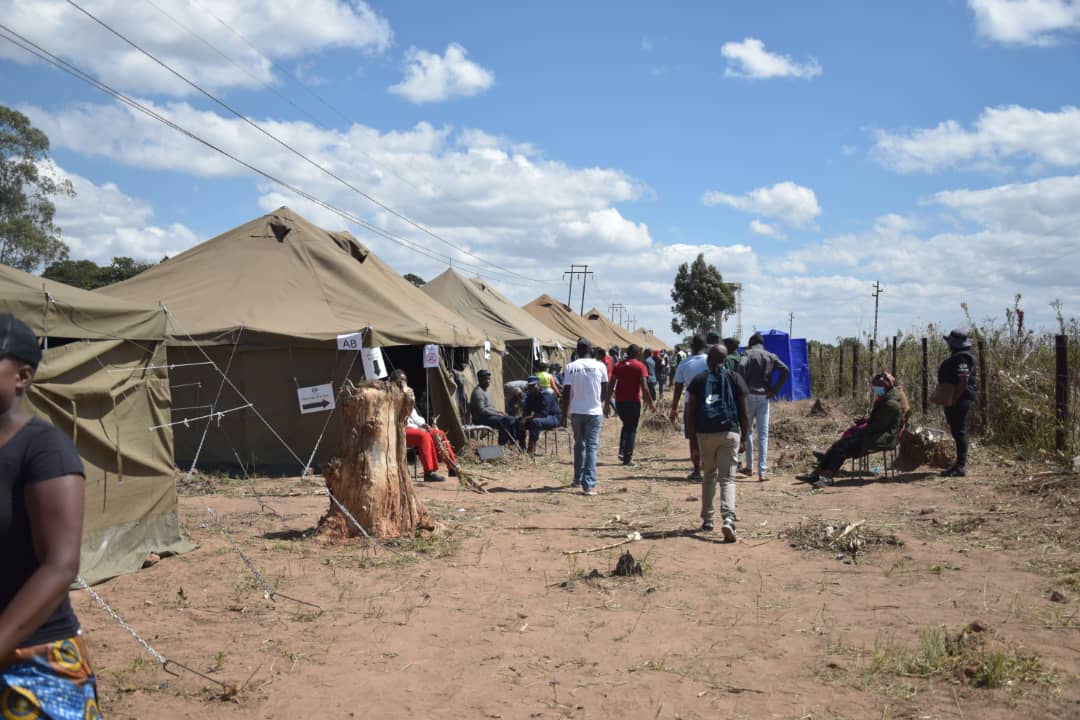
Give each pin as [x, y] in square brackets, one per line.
[584, 387]
[689, 369]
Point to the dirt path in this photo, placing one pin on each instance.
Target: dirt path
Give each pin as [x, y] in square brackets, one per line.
[491, 620]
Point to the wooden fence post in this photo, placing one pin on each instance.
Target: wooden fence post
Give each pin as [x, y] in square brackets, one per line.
[895, 338]
[872, 363]
[925, 372]
[983, 388]
[1061, 393]
[855, 370]
[840, 375]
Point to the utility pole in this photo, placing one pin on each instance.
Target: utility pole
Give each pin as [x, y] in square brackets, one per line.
[581, 271]
[877, 294]
[790, 323]
[611, 311]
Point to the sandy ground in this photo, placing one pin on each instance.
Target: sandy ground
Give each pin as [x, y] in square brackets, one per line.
[490, 619]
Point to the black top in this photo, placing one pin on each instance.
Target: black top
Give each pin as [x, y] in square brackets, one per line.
[957, 364]
[738, 390]
[542, 404]
[37, 452]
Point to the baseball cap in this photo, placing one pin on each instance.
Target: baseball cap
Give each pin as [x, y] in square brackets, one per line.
[958, 340]
[532, 380]
[584, 344]
[18, 340]
[483, 373]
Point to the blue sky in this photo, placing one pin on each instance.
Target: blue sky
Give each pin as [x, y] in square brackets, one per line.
[807, 148]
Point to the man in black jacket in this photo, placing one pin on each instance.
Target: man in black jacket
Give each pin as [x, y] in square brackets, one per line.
[958, 370]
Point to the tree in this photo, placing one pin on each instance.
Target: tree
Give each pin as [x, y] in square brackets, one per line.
[29, 238]
[415, 279]
[88, 275]
[699, 294]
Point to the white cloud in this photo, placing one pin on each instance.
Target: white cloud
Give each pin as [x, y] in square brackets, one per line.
[750, 59]
[759, 228]
[282, 29]
[430, 77]
[1026, 22]
[848, 150]
[787, 202]
[999, 135]
[102, 222]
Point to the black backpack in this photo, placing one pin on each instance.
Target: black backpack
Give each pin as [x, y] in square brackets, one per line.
[716, 409]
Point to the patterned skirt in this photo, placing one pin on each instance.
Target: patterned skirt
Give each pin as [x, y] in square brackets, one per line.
[48, 682]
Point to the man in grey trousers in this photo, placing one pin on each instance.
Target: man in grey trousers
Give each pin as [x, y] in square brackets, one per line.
[758, 368]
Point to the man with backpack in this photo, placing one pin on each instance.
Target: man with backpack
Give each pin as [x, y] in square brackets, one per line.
[716, 416]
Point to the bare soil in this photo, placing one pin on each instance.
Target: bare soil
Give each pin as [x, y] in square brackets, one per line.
[489, 618]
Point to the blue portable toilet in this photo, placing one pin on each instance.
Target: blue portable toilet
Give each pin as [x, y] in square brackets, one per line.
[793, 352]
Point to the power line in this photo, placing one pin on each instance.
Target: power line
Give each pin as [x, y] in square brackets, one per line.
[38, 51]
[287, 146]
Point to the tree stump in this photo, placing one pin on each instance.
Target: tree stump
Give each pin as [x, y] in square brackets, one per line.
[369, 473]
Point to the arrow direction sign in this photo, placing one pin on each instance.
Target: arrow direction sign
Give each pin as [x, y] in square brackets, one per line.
[315, 398]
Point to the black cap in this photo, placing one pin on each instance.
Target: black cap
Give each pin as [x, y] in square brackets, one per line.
[958, 340]
[482, 372]
[18, 340]
[712, 338]
[584, 344]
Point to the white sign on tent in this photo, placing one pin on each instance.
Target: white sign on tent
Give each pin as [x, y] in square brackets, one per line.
[431, 356]
[315, 398]
[350, 341]
[374, 367]
[487, 349]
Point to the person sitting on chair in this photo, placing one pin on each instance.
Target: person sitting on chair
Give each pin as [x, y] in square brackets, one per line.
[880, 431]
[542, 412]
[483, 411]
[423, 437]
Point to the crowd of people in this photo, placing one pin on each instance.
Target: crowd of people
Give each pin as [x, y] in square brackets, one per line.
[724, 396]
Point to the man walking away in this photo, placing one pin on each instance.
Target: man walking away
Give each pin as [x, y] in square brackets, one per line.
[688, 369]
[717, 418]
[584, 389]
[628, 385]
[650, 365]
[757, 367]
[958, 370]
[734, 357]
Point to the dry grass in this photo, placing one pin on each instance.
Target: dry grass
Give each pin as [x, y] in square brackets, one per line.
[837, 537]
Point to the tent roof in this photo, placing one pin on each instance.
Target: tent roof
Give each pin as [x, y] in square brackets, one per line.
[650, 339]
[620, 337]
[54, 309]
[490, 311]
[562, 319]
[280, 274]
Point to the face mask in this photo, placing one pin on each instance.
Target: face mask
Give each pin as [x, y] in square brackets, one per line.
[878, 390]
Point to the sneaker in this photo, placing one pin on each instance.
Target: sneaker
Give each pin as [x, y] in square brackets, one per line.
[822, 483]
[955, 471]
[728, 528]
[591, 491]
[695, 476]
[762, 476]
[434, 477]
[707, 526]
[629, 464]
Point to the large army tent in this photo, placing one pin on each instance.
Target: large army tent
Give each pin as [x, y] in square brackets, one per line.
[648, 339]
[619, 337]
[488, 310]
[266, 303]
[565, 321]
[103, 380]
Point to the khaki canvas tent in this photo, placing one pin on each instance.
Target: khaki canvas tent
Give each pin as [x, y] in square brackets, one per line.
[565, 321]
[526, 338]
[103, 380]
[650, 340]
[266, 303]
[620, 337]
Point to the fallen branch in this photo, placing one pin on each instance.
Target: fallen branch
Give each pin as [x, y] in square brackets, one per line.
[632, 537]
